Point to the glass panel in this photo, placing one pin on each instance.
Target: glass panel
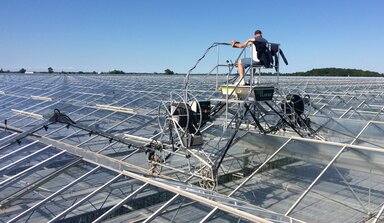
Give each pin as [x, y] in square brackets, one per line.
[280, 183]
[351, 185]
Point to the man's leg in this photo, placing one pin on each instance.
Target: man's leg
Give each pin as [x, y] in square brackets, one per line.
[241, 65]
[240, 68]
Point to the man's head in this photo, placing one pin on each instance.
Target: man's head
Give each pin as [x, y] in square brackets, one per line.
[258, 33]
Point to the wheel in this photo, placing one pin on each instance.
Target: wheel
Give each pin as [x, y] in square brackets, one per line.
[296, 108]
[178, 117]
[196, 115]
[296, 102]
[173, 118]
[173, 111]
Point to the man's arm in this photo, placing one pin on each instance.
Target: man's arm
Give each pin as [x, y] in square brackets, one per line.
[242, 45]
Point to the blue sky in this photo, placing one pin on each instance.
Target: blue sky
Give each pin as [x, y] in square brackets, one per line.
[154, 35]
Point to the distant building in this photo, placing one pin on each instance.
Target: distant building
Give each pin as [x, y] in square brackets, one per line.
[29, 72]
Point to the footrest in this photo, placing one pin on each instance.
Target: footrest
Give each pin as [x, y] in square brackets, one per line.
[259, 93]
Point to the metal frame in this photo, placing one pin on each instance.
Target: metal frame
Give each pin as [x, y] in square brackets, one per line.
[355, 117]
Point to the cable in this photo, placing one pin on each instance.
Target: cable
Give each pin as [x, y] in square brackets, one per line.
[206, 51]
[215, 44]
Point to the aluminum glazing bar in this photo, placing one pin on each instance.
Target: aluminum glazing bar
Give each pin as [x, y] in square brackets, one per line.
[342, 116]
[207, 217]
[161, 209]
[121, 203]
[379, 214]
[29, 114]
[17, 150]
[203, 200]
[62, 100]
[314, 182]
[31, 168]
[32, 185]
[77, 204]
[260, 167]
[6, 137]
[22, 135]
[35, 112]
[48, 199]
[358, 147]
[24, 158]
[323, 171]
[351, 189]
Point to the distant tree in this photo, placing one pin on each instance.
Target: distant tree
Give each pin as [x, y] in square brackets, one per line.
[1, 70]
[22, 70]
[116, 72]
[168, 71]
[50, 70]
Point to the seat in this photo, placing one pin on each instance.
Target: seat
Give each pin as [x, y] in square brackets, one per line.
[268, 55]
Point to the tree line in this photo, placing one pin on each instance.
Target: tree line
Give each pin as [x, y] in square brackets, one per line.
[50, 70]
[341, 72]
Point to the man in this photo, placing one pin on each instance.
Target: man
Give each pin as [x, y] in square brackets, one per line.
[258, 44]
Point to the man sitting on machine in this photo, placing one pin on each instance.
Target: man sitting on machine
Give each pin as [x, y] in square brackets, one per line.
[259, 54]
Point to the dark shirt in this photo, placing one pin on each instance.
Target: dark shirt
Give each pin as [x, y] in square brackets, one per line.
[261, 46]
[260, 39]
